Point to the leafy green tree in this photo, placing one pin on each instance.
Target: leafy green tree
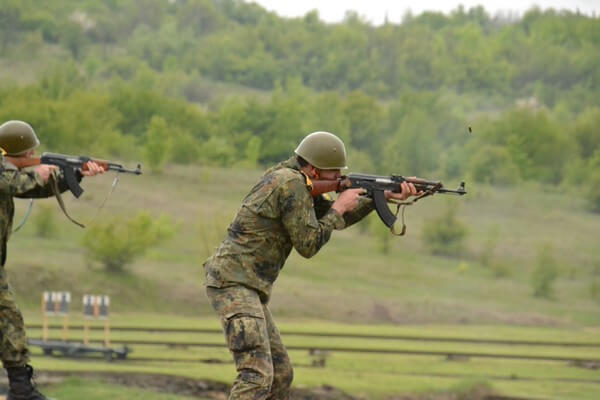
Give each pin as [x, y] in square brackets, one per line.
[586, 132]
[493, 165]
[61, 80]
[365, 118]
[202, 16]
[117, 242]
[253, 151]
[413, 149]
[327, 113]
[184, 148]
[73, 36]
[218, 151]
[535, 143]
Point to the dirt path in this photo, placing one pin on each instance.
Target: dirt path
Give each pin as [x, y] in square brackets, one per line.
[211, 390]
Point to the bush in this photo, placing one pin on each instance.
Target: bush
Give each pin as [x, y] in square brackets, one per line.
[446, 234]
[118, 242]
[488, 257]
[545, 273]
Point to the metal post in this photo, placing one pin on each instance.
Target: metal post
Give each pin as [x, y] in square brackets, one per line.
[86, 331]
[65, 327]
[106, 333]
[45, 318]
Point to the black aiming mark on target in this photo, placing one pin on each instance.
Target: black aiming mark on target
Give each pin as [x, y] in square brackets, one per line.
[64, 302]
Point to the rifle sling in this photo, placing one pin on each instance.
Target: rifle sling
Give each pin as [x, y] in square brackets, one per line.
[403, 204]
[112, 189]
[29, 207]
[54, 186]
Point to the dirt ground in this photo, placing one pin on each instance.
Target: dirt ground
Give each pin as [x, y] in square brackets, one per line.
[218, 391]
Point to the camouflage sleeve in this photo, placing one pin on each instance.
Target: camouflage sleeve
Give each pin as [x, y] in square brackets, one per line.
[324, 202]
[45, 190]
[27, 184]
[365, 206]
[307, 233]
[15, 183]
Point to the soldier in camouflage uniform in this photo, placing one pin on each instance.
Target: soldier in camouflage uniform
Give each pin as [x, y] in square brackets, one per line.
[18, 139]
[279, 213]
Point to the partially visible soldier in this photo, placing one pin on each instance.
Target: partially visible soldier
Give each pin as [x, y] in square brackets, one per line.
[18, 139]
[279, 213]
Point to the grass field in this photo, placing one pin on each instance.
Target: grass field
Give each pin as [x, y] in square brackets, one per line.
[373, 376]
[92, 390]
[350, 286]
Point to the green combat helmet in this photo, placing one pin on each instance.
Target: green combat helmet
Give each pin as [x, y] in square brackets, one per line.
[323, 150]
[17, 137]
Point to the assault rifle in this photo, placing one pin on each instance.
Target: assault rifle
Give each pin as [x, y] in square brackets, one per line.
[69, 165]
[376, 186]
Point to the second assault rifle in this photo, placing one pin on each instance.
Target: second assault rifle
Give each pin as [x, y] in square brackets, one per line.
[71, 167]
[376, 186]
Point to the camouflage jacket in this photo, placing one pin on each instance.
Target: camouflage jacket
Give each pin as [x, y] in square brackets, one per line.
[279, 213]
[23, 184]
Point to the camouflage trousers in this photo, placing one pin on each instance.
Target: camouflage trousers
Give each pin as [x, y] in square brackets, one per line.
[263, 366]
[13, 342]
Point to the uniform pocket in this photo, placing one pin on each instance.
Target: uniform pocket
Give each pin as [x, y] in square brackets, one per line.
[245, 332]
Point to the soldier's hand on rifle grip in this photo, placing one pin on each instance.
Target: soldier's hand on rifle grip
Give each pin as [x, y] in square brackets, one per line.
[408, 189]
[92, 169]
[347, 200]
[44, 171]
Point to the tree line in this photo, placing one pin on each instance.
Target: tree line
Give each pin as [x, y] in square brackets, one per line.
[548, 53]
[135, 79]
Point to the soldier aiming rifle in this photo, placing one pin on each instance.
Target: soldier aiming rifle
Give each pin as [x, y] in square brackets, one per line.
[18, 142]
[278, 214]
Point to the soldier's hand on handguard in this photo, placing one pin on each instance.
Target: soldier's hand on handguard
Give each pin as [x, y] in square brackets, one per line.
[347, 200]
[45, 170]
[408, 189]
[92, 169]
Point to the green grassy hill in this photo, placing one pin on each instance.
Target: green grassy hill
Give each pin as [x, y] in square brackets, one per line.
[350, 280]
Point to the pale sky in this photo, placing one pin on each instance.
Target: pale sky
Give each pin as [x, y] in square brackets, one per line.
[374, 11]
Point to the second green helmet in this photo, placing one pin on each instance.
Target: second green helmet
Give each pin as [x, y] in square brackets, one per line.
[323, 150]
[17, 137]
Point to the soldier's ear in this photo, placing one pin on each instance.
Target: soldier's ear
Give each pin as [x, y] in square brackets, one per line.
[313, 172]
